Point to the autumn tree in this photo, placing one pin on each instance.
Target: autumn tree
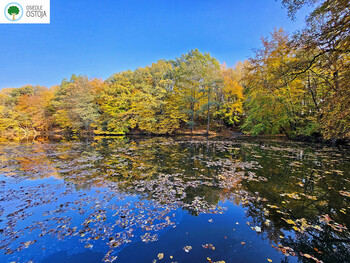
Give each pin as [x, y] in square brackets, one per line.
[74, 104]
[34, 111]
[143, 100]
[195, 77]
[7, 113]
[273, 101]
[152, 108]
[25, 109]
[323, 62]
[230, 97]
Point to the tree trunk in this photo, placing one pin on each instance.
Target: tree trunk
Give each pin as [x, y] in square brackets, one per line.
[312, 93]
[286, 133]
[193, 105]
[208, 123]
[208, 117]
[13, 16]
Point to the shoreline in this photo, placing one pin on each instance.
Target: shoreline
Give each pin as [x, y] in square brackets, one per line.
[224, 134]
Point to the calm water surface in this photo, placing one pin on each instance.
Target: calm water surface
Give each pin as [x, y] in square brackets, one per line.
[173, 200]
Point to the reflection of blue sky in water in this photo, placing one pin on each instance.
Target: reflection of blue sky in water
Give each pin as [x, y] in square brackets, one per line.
[65, 211]
[198, 230]
[124, 198]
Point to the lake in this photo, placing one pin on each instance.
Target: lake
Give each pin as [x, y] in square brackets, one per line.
[158, 199]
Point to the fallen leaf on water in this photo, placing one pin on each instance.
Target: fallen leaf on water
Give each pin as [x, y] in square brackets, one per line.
[242, 243]
[187, 248]
[257, 229]
[210, 246]
[344, 193]
[160, 256]
[309, 256]
[88, 246]
[28, 243]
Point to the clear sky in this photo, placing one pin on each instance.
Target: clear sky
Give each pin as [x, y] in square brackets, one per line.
[100, 37]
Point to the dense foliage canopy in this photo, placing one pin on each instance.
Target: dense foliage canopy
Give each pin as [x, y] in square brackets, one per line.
[297, 85]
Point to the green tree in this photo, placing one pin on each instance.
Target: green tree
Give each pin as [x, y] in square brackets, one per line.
[74, 104]
[195, 78]
[273, 100]
[143, 100]
[151, 107]
[114, 102]
[13, 10]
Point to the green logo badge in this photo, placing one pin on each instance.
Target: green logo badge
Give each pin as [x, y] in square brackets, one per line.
[13, 11]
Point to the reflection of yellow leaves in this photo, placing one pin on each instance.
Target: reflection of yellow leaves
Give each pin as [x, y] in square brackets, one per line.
[337, 171]
[269, 260]
[292, 195]
[311, 197]
[289, 221]
[317, 227]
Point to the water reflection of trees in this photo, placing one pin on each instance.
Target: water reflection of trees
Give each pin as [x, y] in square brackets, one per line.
[287, 191]
[303, 194]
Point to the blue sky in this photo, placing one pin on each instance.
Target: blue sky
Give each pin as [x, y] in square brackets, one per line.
[100, 37]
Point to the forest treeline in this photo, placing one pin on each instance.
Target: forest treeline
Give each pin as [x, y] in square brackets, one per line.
[294, 84]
